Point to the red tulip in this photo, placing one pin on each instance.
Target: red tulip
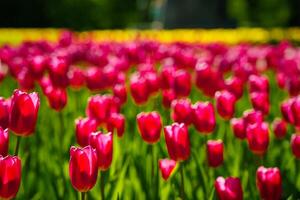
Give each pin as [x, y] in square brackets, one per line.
[94, 78]
[103, 143]
[281, 79]
[286, 110]
[167, 97]
[76, 77]
[258, 84]
[295, 108]
[229, 188]
[260, 101]
[182, 111]
[268, 181]
[57, 97]
[182, 83]
[178, 141]
[23, 112]
[83, 168]
[236, 86]
[295, 144]
[4, 141]
[258, 137]
[84, 128]
[119, 91]
[166, 167]
[153, 82]
[204, 117]
[58, 69]
[252, 117]
[225, 102]
[149, 125]
[116, 121]
[238, 127]
[214, 150]
[139, 89]
[279, 128]
[4, 112]
[167, 77]
[10, 176]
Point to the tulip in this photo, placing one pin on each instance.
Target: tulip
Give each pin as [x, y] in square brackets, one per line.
[76, 77]
[258, 137]
[225, 102]
[103, 143]
[279, 128]
[281, 79]
[23, 112]
[119, 92]
[167, 77]
[153, 82]
[166, 167]
[258, 84]
[252, 117]
[4, 141]
[269, 184]
[235, 86]
[214, 150]
[286, 110]
[204, 117]
[167, 97]
[57, 97]
[84, 128]
[238, 127]
[295, 144]
[178, 142]
[182, 83]
[149, 125]
[295, 108]
[4, 112]
[94, 78]
[83, 168]
[229, 188]
[139, 89]
[58, 69]
[260, 101]
[116, 121]
[182, 111]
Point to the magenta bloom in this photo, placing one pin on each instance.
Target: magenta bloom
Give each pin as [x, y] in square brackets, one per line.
[204, 117]
[258, 137]
[295, 144]
[279, 128]
[229, 188]
[182, 111]
[214, 150]
[166, 167]
[84, 128]
[238, 127]
[150, 125]
[225, 102]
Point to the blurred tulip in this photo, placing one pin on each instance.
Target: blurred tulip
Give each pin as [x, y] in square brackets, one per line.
[4, 112]
[258, 84]
[103, 143]
[167, 77]
[280, 78]
[214, 150]
[76, 77]
[139, 89]
[23, 112]
[167, 97]
[260, 101]
[204, 117]
[268, 181]
[57, 97]
[182, 83]
[258, 137]
[295, 144]
[225, 103]
[236, 86]
[182, 111]
[84, 128]
[295, 108]
[58, 69]
[279, 128]
[94, 78]
[119, 92]
[116, 121]
[166, 167]
[178, 141]
[238, 127]
[286, 110]
[83, 168]
[150, 125]
[252, 117]
[4, 141]
[229, 188]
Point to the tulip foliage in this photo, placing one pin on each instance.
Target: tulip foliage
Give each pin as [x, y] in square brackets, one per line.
[148, 120]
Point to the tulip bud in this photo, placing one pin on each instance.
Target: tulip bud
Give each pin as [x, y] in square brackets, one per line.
[166, 167]
[167, 77]
[23, 112]
[286, 110]
[280, 78]
[182, 83]
[4, 112]
[149, 125]
[252, 117]
[258, 137]
[238, 127]
[103, 143]
[116, 121]
[295, 144]
[268, 181]
[119, 91]
[4, 141]
[83, 168]
[279, 128]
[214, 150]
[178, 141]
[235, 86]
[295, 108]
[94, 78]
[204, 117]
[84, 127]
[167, 97]
[76, 77]
[225, 102]
[58, 68]
[182, 111]
[258, 84]
[260, 101]
[139, 89]
[229, 188]
[57, 97]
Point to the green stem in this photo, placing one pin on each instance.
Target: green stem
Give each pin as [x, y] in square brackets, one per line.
[17, 145]
[102, 184]
[182, 183]
[83, 195]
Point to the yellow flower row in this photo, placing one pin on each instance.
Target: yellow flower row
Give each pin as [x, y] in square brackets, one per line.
[229, 36]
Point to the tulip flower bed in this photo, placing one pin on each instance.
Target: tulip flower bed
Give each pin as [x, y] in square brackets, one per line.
[149, 120]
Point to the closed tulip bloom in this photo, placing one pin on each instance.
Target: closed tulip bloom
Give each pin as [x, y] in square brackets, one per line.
[225, 102]
[84, 128]
[260, 101]
[167, 97]
[119, 91]
[167, 77]
[83, 168]
[103, 143]
[139, 89]
[94, 78]
[236, 86]
[258, 84]
[238, 127]
[258, 137]
[286, 110]
[116, 121]
[182, 83]
[182, 111]
[76, 77]
[295, 144]
[166, 167]
[57, 97]
[295, 107]
[4, 112]
[279, 128]
[214, 150]
[150, 125]
[229, 188]
[4, 141]
[252, 117]
[178, 141]
[23, 112]
[58, 69]
[153, 82]
[269, 183]
[10, 176]
[204, 117]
